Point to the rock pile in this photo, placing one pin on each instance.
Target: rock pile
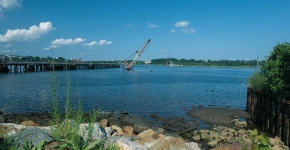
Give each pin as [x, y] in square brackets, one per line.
[237, 137]
[125, 138]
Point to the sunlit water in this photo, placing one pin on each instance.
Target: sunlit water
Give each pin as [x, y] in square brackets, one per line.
[167, 91]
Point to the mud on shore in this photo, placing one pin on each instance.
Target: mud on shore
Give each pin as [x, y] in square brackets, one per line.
[217, 116]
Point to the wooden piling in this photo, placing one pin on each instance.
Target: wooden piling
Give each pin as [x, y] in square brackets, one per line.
[270, 114]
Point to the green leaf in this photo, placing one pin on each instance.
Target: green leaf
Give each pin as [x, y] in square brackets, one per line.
[40, 145]
[265, 148]
[263, 141]
[255, 146]
[92, 145]
[63, 146]
[245, 147]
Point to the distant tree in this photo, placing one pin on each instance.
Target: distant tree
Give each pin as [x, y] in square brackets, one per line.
[277, 71]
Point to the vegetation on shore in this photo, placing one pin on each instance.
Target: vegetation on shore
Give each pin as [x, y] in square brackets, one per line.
[66, 134]
[274, 76]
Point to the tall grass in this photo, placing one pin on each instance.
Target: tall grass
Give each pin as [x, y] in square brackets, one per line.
[68, 107]
[68, 132]
[257, 81]
[54, 97]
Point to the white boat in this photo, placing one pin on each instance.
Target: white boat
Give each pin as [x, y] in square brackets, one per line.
[172, 64]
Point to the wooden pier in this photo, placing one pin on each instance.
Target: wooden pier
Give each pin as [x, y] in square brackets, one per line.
[47, 66]
[272, 115]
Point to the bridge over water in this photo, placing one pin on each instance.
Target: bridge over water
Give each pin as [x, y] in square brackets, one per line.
[48, 66]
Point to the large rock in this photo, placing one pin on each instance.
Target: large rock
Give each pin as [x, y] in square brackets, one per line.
[104, 123]
[148, 136]
[213, 135]
[236, 146]
[122, 146]
[125, 143]
[28, 123]
[129, 129]
[109, 130]
[213, 143]
[204, 136]
[278, 144]
[171, 143]
[118, 130]
[196, 137]
[98, 132]
[33, 135]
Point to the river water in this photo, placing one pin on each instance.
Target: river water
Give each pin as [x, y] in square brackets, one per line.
[167, 91]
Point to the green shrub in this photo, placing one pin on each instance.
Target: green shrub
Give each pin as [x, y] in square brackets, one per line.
[257, 81]
[277, 71]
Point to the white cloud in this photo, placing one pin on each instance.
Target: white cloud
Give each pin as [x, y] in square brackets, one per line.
[81, 53]
[150, 25]
[90, 44]
[188, 30]
[104, 42]
[182, 24]
[172, 31]
[61, 41]
[161, 50]
[33, 32]
[6, 4]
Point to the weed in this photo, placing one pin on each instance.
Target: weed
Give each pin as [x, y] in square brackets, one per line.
[257, 81]
[259, 141]
[54, 96]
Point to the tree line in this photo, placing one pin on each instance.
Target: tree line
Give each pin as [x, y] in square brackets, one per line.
[159, 61]
[219, 63]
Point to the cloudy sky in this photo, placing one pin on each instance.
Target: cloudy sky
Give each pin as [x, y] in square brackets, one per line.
[115, 29]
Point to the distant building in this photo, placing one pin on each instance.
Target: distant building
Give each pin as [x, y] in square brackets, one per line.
[147, 61]
[76, 59]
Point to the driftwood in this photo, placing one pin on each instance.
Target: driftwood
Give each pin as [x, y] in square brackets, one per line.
[187, 130]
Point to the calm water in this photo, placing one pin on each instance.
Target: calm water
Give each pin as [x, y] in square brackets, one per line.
[167, 91]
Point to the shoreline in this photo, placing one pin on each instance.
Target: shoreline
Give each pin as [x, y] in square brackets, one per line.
[196, 118]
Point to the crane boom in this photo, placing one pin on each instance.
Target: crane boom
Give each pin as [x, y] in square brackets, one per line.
[131, 65]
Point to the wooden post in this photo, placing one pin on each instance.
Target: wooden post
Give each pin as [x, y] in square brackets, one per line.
[286, 132]
[248, 99]
[276, 117]
[271, 116]
[279, 122]
[283, 121]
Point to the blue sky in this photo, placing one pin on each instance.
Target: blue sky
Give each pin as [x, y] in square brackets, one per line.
[114, 29]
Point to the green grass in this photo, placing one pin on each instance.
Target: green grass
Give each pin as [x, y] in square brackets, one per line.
[257, 81]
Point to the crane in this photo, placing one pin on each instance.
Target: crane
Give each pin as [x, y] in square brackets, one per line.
[139, 53]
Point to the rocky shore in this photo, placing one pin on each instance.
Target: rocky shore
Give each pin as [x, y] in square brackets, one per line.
[224, 130]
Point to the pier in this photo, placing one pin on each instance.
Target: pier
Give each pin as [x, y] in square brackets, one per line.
[47, 66]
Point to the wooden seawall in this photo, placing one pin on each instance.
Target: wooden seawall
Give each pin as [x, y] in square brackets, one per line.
[46, 66]
[270, 114]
